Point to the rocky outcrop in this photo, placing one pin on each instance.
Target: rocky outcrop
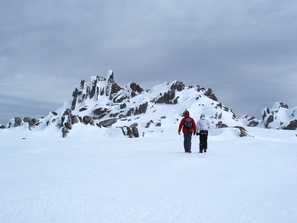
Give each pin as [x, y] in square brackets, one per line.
[292, 125]
[31, 121]
[280, 116]
[249, 121]
[177, 86]
[18, 121]
[135, 89]
[141, 109]
[167, 98]
[102, 103]
[242, 132]
[15, 122]
[88, 120]
[220, 125]
[209, 93]
[107, 122]
[130, 131]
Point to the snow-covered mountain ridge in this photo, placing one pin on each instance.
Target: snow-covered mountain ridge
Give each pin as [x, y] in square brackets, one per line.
[103, 103]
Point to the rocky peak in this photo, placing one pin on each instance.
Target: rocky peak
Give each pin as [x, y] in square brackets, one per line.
[102, 103]
[280, 116]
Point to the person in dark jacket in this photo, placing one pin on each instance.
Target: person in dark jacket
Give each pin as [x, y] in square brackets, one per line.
[188, 126]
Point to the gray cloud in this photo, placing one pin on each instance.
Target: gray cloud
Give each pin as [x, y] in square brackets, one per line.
[244, 50]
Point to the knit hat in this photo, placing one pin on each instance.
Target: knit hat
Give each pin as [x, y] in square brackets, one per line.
[186, 112]
[202, 115]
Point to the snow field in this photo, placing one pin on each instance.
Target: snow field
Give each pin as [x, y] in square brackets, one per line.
[90, 178]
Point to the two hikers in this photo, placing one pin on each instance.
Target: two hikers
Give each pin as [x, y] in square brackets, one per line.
[188, 127]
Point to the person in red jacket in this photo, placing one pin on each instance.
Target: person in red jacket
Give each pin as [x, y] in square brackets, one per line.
[188, 126]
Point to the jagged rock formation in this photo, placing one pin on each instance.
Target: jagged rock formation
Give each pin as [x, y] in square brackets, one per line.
[250, 121]
[242, 132]
[18, 121]
[280, 117]
[103, 103]
[130, 131]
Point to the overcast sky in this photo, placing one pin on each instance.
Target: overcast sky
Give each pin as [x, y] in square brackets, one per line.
[245, 51]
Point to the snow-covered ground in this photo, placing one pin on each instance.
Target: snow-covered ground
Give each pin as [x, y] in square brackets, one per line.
[98, 176]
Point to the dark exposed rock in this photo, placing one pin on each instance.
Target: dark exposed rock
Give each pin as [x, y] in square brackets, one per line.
[265, 112]
[115, 88]
[149, 123]
[269, 118]
[250, 121]
[175, 101]
[67, 120]
[122, 106]
[75, 119]
[17, 122]
[127, 131]
[135, 130]
[107, 123]
[220, 124]
[292, 125]
[166, 98]
[141, 109]
[65, 131]
[242, 131]
[136, 88]
[110, 78]
[177, 85]
[75, 92]
[31, 121]
[131, 132]
[83, 109]
[130, 111]
[113, 115]
[209, 93]
[68, 124]
[88, 120]
[158, 124]
[67, 112]
[119, 98]
[283, 105]
[226, 109]
[74, 101]
[100, 111]
[73, 104]
[94, 89]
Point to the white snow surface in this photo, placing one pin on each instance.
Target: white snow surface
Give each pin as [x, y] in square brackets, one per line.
[96, 175]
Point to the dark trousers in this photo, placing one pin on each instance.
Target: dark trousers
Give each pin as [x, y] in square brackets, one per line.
[203, 140]
[187, 141]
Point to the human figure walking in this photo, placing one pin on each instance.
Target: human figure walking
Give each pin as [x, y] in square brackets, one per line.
[202, 131]
[188, 126]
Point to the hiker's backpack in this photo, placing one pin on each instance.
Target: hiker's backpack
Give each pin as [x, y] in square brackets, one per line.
[188, 123]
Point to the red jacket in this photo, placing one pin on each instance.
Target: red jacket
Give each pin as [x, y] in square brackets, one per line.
[181, 125]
